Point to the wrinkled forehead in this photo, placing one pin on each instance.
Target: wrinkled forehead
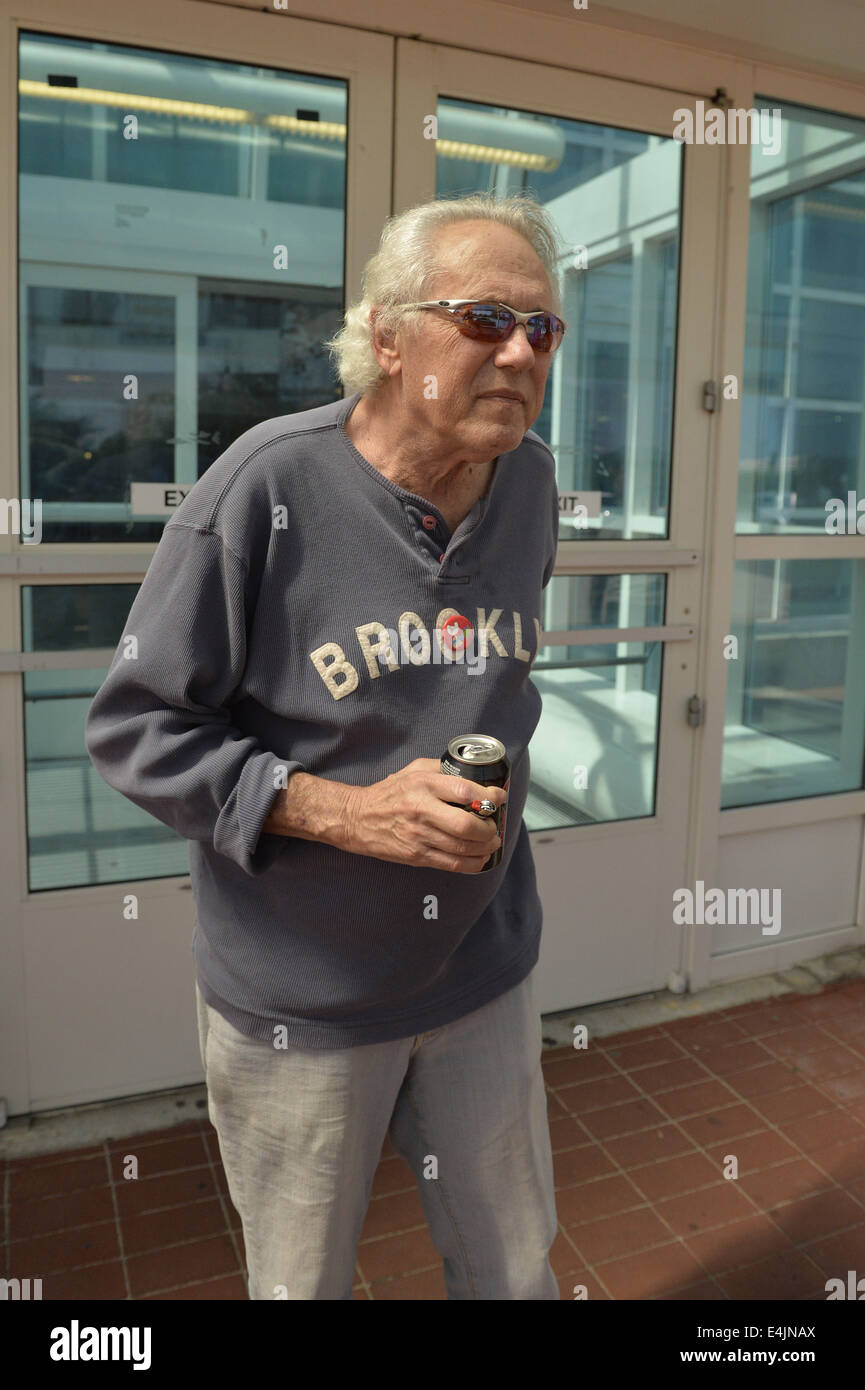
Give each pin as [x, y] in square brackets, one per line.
[487, 260]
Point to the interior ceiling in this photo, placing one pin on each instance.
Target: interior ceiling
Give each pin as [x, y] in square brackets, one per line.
[829, 35]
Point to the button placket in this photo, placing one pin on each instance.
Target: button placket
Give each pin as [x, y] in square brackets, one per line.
[433, 528]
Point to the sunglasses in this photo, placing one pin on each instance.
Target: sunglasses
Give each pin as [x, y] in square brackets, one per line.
[493, 323]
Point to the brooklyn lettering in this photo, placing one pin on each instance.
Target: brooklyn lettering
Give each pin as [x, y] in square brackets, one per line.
[410, 643]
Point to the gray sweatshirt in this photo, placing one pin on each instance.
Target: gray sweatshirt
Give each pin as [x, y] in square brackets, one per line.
[296, 616]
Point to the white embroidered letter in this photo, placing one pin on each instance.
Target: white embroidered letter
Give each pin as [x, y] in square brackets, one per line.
[329, 671]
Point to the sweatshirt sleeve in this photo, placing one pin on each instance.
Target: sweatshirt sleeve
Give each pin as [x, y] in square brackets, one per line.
[554, 539]
[159, 728]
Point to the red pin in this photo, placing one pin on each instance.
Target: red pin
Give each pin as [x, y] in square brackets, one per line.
[454, 630]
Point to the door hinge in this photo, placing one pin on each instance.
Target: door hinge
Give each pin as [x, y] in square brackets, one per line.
[696, 711]
[710, 397]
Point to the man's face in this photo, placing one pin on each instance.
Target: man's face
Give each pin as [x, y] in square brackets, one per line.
[485, 261]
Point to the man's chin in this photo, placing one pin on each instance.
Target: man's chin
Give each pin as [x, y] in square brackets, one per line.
[501, 434]
[506, 437]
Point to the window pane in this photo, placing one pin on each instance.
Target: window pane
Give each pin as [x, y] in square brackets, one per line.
[594, 752]
[804, 389]
[615, 193]
[796, 686]
[86, 442]
[181, 261]
[80, 831]
[260, 354]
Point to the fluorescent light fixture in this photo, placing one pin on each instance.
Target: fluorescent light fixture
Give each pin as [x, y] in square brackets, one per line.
[492, 154]
[234, 115]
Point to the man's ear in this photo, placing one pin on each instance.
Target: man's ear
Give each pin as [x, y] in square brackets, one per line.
[384, 346]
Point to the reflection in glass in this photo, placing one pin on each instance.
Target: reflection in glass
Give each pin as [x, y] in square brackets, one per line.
[615, 197]
[181, 261]
[795, 722]
[594, 752]
[80, 831]
[260, 354]
[87, 441]
[803, 396]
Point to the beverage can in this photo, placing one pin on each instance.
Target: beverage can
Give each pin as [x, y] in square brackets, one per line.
[483, 759]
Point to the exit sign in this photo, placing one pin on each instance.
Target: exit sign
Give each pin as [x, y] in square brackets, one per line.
[577, 506]
[157, 499]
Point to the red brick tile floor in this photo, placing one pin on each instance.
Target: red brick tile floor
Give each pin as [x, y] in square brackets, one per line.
[641, 1124]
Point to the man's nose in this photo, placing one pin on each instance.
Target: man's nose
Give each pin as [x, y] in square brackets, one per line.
[516, 349]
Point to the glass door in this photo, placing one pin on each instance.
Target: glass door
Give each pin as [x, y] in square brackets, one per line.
[637, 214]
[184, 250]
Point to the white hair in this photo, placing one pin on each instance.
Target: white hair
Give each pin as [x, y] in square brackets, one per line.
[405, 265]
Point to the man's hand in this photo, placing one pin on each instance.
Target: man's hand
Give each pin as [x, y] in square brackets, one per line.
[410, 818]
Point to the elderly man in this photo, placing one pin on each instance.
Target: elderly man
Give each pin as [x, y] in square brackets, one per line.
[343, 592]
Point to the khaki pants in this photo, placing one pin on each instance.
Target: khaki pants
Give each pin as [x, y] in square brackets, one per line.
[301, 1132]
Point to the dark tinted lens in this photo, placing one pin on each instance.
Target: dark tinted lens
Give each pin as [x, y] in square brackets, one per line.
[544, 332]
[488, 321]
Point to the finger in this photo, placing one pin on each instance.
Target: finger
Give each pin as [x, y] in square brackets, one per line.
[455, 863]
[464, 791]
[455, 824]
[462, 834]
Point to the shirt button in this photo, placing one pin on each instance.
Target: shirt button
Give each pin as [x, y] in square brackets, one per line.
[430, 523]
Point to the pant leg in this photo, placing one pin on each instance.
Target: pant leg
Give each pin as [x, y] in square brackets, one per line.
[300, 1134]
[474, 1100]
